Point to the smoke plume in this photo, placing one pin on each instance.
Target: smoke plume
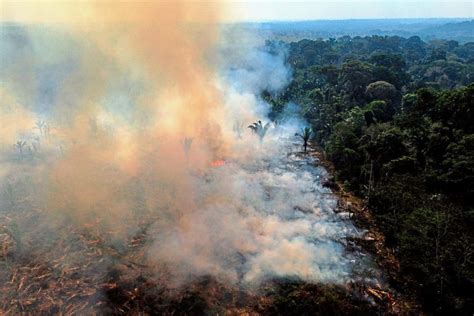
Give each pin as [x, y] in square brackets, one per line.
[120, 116]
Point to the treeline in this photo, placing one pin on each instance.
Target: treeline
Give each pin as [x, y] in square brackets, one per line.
[396, 117]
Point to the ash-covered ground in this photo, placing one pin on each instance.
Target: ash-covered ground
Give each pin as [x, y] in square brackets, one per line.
[278, 231]
[130, 183]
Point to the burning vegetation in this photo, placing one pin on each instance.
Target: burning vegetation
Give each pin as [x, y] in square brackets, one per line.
[124, 191]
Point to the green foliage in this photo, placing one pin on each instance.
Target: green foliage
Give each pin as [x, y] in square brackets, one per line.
[457, 169]
[305, 135]
[378, 111]
[297, 298]
[410, 157]
[382, 90]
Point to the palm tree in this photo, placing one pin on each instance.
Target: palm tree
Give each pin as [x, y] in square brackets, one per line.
[305, 136]
[20, 145]
[259, 129]
[186, 143]
[238, 128]
[37, 145]
[9, 194]
[46, 130]
[40, 125]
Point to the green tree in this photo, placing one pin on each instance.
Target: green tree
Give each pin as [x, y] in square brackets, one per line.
[305, 135]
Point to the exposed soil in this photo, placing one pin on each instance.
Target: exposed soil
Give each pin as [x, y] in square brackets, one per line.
[83, 273]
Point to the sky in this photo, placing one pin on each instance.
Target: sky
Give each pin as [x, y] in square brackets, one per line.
[258, 10]
[271, 10]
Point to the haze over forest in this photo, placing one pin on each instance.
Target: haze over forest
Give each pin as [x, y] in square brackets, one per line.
[209, 158]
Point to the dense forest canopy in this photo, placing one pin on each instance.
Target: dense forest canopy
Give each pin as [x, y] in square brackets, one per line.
[396, 117]
[458, 29]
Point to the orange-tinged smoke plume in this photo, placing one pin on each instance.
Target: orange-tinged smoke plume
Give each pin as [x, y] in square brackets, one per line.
[171, 43]
[142, 131]
[164, 39]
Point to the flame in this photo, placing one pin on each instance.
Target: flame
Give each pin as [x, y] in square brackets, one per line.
[218, 163]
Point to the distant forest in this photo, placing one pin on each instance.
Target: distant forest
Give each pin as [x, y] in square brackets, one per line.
[396, 117]
[461, 30]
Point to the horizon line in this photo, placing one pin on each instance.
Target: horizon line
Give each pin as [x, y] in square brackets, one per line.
[461, 19]
[348, 19]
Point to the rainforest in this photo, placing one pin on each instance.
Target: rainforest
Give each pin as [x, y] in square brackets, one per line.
[199, 158]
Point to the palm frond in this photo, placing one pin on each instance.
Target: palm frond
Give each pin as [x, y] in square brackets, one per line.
[259, 129]
[305, 135]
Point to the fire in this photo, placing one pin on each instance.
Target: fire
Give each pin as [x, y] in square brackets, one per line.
[218, 163]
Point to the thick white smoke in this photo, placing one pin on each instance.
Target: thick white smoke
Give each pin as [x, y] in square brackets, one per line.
[264, 213]
[259, 211]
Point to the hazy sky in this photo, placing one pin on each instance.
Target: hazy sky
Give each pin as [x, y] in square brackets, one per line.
[262, 10]
[252, 10]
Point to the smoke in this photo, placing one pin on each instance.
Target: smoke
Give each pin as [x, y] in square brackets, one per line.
[253, 66]
[136, 116]
[254, 224]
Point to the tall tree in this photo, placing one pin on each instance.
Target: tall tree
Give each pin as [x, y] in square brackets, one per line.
[260, 129]
[305, 135]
